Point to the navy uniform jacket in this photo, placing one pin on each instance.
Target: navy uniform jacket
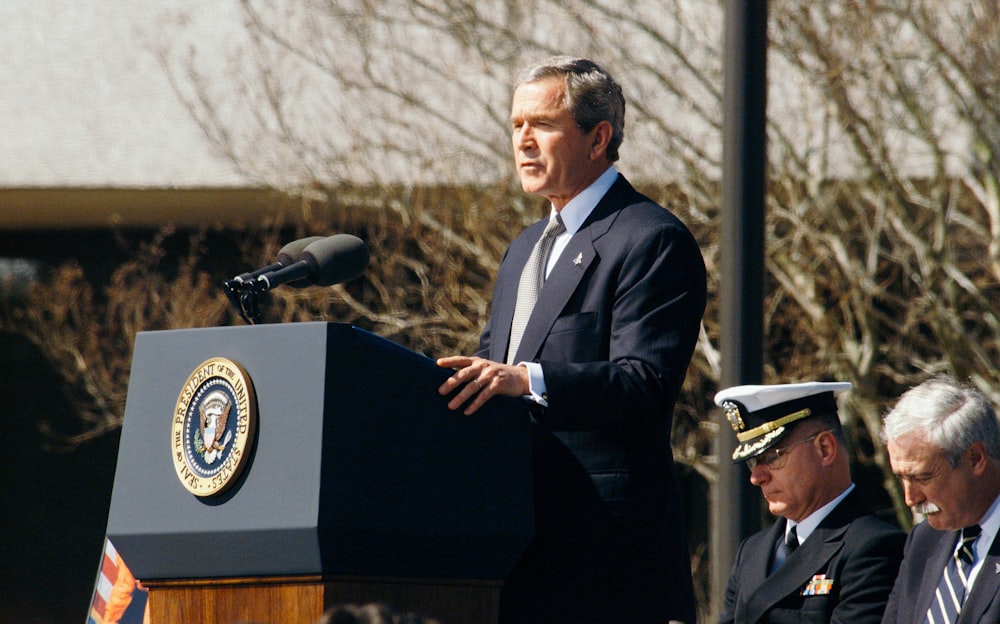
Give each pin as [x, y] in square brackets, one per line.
[845, 568]
[927, 551]
[613, 328]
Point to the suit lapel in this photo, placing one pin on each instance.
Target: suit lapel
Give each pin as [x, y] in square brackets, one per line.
[792, 577]
[567, 273]
[985, 590]
[935, 562]
[808, 560]
[759, 561]
[558, 288]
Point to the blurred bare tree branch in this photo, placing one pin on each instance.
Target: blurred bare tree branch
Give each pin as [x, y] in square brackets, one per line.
[389, 120]
[883, 125]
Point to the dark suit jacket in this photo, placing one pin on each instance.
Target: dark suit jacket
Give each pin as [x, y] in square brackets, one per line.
[614, 328]
[927, 551]
[859, 551]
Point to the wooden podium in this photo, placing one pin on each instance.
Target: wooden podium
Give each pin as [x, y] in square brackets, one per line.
[357, 483]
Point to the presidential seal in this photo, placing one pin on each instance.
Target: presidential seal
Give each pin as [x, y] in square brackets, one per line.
[214, 422]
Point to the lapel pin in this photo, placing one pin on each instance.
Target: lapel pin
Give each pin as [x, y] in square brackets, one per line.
[997, 571]
[578, 260]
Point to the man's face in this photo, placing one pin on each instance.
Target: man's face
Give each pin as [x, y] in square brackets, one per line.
[552, 154]
[793, 491]
[931, 485]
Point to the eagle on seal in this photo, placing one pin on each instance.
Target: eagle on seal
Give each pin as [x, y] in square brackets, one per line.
[214, 412]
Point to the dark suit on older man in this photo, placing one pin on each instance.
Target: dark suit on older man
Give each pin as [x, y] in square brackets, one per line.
[842, 573]
[613, 329]
[927, 551]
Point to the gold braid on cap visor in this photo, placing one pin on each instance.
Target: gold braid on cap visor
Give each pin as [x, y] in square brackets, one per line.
[771, 425]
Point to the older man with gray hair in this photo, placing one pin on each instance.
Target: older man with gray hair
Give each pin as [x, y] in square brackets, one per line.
[944, 445]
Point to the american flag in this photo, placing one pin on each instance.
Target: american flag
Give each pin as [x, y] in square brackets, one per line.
[118, 597]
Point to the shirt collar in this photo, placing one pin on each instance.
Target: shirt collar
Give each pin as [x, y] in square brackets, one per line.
[990, 524]
[805, 528]
[576, 211]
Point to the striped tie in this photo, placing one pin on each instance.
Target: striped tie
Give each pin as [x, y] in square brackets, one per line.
[950, 594]
[532, 278]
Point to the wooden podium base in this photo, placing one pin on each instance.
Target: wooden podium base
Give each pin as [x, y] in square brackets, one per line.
[302, 600]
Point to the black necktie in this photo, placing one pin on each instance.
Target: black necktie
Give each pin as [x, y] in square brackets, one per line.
[791, 541]
[785, 548]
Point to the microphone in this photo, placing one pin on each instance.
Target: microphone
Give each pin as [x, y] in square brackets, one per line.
[286, 256]
[325, 262]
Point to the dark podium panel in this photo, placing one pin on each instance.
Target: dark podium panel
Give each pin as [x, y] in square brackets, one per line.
[358, 470]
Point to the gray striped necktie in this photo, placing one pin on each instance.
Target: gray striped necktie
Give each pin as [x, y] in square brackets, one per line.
[950, 594]
[532, 278]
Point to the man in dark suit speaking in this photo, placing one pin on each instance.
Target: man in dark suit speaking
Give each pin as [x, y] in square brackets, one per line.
[944, 445]
[827, 558]
[596, 311]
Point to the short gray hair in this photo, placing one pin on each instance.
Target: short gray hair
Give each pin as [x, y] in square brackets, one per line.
[950, 415]
[592, 95]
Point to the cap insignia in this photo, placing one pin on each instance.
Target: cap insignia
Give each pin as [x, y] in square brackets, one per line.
[733, 416]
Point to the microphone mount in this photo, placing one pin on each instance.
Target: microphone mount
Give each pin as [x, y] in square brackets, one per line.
[310, 261]
[244, 296]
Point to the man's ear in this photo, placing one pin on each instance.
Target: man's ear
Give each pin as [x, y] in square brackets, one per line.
[977, 457]
[601, 138]
[828, 447]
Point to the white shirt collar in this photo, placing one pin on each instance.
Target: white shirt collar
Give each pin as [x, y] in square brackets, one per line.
[805, 528]
[990, 524]
[576, 211]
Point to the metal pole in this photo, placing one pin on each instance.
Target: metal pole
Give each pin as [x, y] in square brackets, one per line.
[736, 503]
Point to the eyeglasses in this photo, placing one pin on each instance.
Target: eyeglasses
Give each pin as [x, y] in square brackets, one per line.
[775, 459]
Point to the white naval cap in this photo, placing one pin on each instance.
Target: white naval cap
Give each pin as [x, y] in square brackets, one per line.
[760, 414]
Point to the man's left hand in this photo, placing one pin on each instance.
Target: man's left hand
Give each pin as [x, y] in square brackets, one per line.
[481, 379]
